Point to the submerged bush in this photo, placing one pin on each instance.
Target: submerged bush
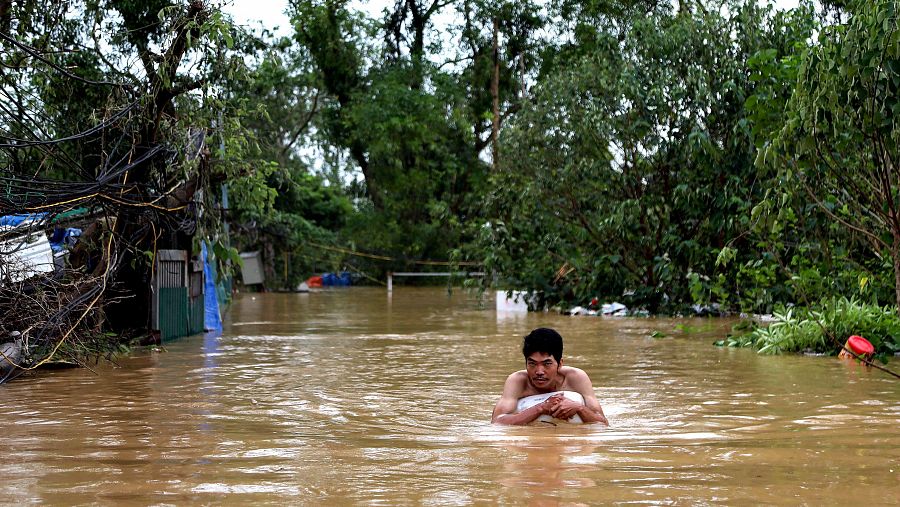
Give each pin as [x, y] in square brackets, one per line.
[810, 329]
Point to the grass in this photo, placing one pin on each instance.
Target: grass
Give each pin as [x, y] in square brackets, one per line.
[799, 329]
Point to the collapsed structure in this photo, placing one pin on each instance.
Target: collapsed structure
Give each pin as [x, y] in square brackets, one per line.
[85, 215]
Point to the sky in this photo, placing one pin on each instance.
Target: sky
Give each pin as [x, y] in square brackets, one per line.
[252, 12]
[271, 12]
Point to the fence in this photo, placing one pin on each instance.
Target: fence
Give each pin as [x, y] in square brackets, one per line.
[462, 274]
[178, 306]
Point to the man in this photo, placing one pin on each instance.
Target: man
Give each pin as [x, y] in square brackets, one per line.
[545, 373]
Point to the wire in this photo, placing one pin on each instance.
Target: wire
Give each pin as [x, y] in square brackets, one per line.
[386, 258]
[24, 143]
[36, 55]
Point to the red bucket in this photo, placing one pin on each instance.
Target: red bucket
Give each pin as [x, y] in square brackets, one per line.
[859, 346]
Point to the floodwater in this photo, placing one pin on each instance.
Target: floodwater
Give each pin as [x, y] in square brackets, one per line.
[355, 397]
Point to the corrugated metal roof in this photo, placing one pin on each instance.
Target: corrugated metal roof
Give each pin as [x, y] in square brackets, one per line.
[24, 256]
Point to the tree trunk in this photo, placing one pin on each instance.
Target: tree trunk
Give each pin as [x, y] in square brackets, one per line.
[522, 74]
[269, 265]
[895, 253]
[359, 155]
[495, 95]
[5, 15]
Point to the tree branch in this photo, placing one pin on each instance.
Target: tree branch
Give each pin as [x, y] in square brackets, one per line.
[302, 127]
[864, 232]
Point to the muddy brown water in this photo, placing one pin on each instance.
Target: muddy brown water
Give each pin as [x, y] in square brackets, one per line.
[354, 397]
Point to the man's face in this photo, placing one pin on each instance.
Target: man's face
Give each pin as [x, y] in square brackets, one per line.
[542, 370]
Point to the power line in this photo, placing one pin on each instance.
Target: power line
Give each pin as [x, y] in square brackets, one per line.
[392, 259]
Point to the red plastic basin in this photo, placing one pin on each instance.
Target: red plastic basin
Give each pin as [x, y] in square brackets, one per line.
[860, 345]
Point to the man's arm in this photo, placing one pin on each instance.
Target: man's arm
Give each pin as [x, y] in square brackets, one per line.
[504, 411]
[591, 411]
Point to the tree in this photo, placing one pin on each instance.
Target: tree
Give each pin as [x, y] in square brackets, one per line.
[280, 101]
[413, 119]
[633, 157]
[85, 132]
[839, 141]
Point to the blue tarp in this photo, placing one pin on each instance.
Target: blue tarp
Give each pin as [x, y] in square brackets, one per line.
[59, 240]
[14, 220]
[212, 319]
[64, 238]
[341, 279]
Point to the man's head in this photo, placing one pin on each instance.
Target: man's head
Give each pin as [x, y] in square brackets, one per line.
[542, 349]
[545, 340]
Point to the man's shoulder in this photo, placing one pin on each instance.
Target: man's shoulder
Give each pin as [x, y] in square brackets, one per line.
[516, 384]
[571, 370]
[574, 375]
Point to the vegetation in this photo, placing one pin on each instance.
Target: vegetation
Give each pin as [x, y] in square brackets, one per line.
[103, 126]
[815, 330]
[719, 153]
[648, 177]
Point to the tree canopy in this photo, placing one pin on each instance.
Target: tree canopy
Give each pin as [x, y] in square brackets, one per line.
[720, 153]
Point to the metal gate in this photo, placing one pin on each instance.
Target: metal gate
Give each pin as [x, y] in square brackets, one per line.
[177, 295]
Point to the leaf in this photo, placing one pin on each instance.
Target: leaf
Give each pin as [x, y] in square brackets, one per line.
[726, 255]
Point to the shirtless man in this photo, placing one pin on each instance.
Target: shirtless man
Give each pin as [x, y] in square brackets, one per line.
[545, 373]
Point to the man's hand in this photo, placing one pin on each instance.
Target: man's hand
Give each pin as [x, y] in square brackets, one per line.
[565, 408]
[551, 404]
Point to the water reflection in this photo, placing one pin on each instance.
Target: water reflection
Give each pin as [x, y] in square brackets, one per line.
[549, 471]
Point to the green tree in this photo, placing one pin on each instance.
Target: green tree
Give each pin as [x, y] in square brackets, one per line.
[634, 156]
[86, 127]
[413, 113]
[839, 141]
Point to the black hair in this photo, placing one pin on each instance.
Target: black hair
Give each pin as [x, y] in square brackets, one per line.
[543, 339]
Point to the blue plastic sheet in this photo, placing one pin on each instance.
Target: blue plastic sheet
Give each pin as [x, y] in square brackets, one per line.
[212, 319]
[341, 279]
[64, 238]
[15, 220]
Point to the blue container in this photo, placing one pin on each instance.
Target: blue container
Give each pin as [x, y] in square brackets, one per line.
[336, 280]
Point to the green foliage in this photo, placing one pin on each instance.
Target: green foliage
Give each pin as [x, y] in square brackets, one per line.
[811, 329]
[841, 115]
[795, 247]
[144, 20]
[631, 162]
[413, 127]
[659, 154]
[277, 205]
